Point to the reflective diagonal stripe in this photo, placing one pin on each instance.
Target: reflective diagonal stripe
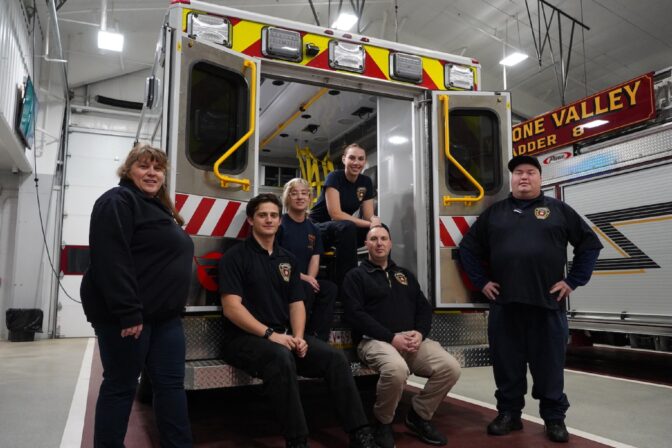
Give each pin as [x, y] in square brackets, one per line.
[197, 219]
[226, 218]
[205, 216]
[453, 228]
[633, 257]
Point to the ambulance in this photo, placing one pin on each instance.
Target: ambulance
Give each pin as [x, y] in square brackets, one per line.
[609, 156]
[243, 102]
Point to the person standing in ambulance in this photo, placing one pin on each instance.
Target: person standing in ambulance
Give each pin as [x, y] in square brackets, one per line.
[523, 241]
[345, 192]
[133, 294]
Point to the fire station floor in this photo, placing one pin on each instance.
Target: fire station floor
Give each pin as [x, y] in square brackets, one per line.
[48, 390]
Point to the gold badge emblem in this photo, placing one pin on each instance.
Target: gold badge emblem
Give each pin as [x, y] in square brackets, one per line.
[285, 271]
[542, 212]
[401, 278]
[361, 191]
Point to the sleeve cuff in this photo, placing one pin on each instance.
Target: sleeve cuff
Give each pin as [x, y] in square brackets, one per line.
[130, 320]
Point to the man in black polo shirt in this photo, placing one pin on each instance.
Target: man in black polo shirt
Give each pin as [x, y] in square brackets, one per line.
[262, 298]
[523, 240]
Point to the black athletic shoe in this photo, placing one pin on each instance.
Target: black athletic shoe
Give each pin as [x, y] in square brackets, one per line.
[503, 424]
[556, 431]
[424, 429]
[384, 435]
[362, 438]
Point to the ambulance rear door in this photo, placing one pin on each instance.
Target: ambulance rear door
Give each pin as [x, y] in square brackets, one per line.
[471, 145]
[213, 143]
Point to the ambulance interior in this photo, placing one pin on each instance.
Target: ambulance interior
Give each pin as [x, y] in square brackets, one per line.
[315, 120]
[335, 117]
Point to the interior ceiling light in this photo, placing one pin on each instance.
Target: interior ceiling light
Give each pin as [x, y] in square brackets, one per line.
[513, 59]
[110, 41]
[345, 21]
[594, 124]
[107, 40]
[397, 139]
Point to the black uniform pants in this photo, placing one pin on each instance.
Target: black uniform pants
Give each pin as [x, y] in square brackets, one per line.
[520, 335]
[346, 237]
[320, 308]
[278, 368]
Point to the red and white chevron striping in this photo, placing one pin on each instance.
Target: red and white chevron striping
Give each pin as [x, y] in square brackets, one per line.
[205, 216]
[453, 228]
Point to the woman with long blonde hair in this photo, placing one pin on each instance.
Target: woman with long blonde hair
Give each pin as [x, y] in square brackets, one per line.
[302, 238]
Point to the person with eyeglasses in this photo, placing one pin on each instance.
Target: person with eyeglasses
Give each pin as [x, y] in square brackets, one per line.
[301, 237]
[345, 192]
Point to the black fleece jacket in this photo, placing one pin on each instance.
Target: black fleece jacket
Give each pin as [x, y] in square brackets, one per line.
[381, 302]
[140, 260]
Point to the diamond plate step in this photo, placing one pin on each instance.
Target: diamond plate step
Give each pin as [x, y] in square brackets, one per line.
[470, 355]
[215, 373]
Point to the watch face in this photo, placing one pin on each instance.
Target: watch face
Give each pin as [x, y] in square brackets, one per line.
[268, 333]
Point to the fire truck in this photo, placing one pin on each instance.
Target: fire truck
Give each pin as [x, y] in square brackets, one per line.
[610, 157]
[235, 97]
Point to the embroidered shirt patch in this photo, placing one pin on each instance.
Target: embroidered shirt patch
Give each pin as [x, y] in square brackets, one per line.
[361, 191]
[542, 212]
[285, 271]
[401, 278]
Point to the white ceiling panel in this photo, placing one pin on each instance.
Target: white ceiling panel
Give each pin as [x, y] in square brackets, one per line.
[626, 38]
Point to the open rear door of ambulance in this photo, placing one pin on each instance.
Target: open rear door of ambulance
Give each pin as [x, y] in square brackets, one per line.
[215, 141]
[471, 141]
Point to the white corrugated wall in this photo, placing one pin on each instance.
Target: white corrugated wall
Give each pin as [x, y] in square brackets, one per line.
[15, 53]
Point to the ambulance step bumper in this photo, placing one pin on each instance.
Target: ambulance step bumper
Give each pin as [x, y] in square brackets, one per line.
[470, 355]
[215, 373]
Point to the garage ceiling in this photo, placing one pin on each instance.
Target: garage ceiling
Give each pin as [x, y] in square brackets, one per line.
[626, 38]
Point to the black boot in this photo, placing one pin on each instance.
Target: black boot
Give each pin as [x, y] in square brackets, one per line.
[362, 438]
[424, 429]
[556, 431]
[503, 424]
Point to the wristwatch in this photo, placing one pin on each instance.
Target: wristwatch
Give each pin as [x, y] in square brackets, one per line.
[269, 331]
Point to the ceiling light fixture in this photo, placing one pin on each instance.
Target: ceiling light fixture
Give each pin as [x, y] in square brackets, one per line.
[345, 21]
[397, 139]
[513, 59]
[108, 40]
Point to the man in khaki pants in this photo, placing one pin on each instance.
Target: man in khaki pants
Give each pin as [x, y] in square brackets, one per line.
[391, 319]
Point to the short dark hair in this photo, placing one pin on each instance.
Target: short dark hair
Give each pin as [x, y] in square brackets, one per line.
[382, 225]
[259, 199]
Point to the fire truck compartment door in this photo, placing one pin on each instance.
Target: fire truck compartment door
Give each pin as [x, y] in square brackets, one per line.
[471, 144]
[218, 112]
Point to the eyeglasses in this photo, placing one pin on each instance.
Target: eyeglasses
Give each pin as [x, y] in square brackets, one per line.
[296, 194]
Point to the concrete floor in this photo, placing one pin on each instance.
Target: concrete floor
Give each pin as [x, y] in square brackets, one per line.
[37, 382]
[632, 413]
[38, 379]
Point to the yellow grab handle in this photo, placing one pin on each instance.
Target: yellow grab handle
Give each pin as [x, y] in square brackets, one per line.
[447, 200]
[224, 179]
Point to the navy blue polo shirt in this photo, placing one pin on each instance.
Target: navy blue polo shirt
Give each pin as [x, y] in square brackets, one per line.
[267, 283]
[351, 194]
[302, 239]
[525, 246]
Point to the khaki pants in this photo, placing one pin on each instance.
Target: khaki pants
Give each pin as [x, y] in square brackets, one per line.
[430, 361]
